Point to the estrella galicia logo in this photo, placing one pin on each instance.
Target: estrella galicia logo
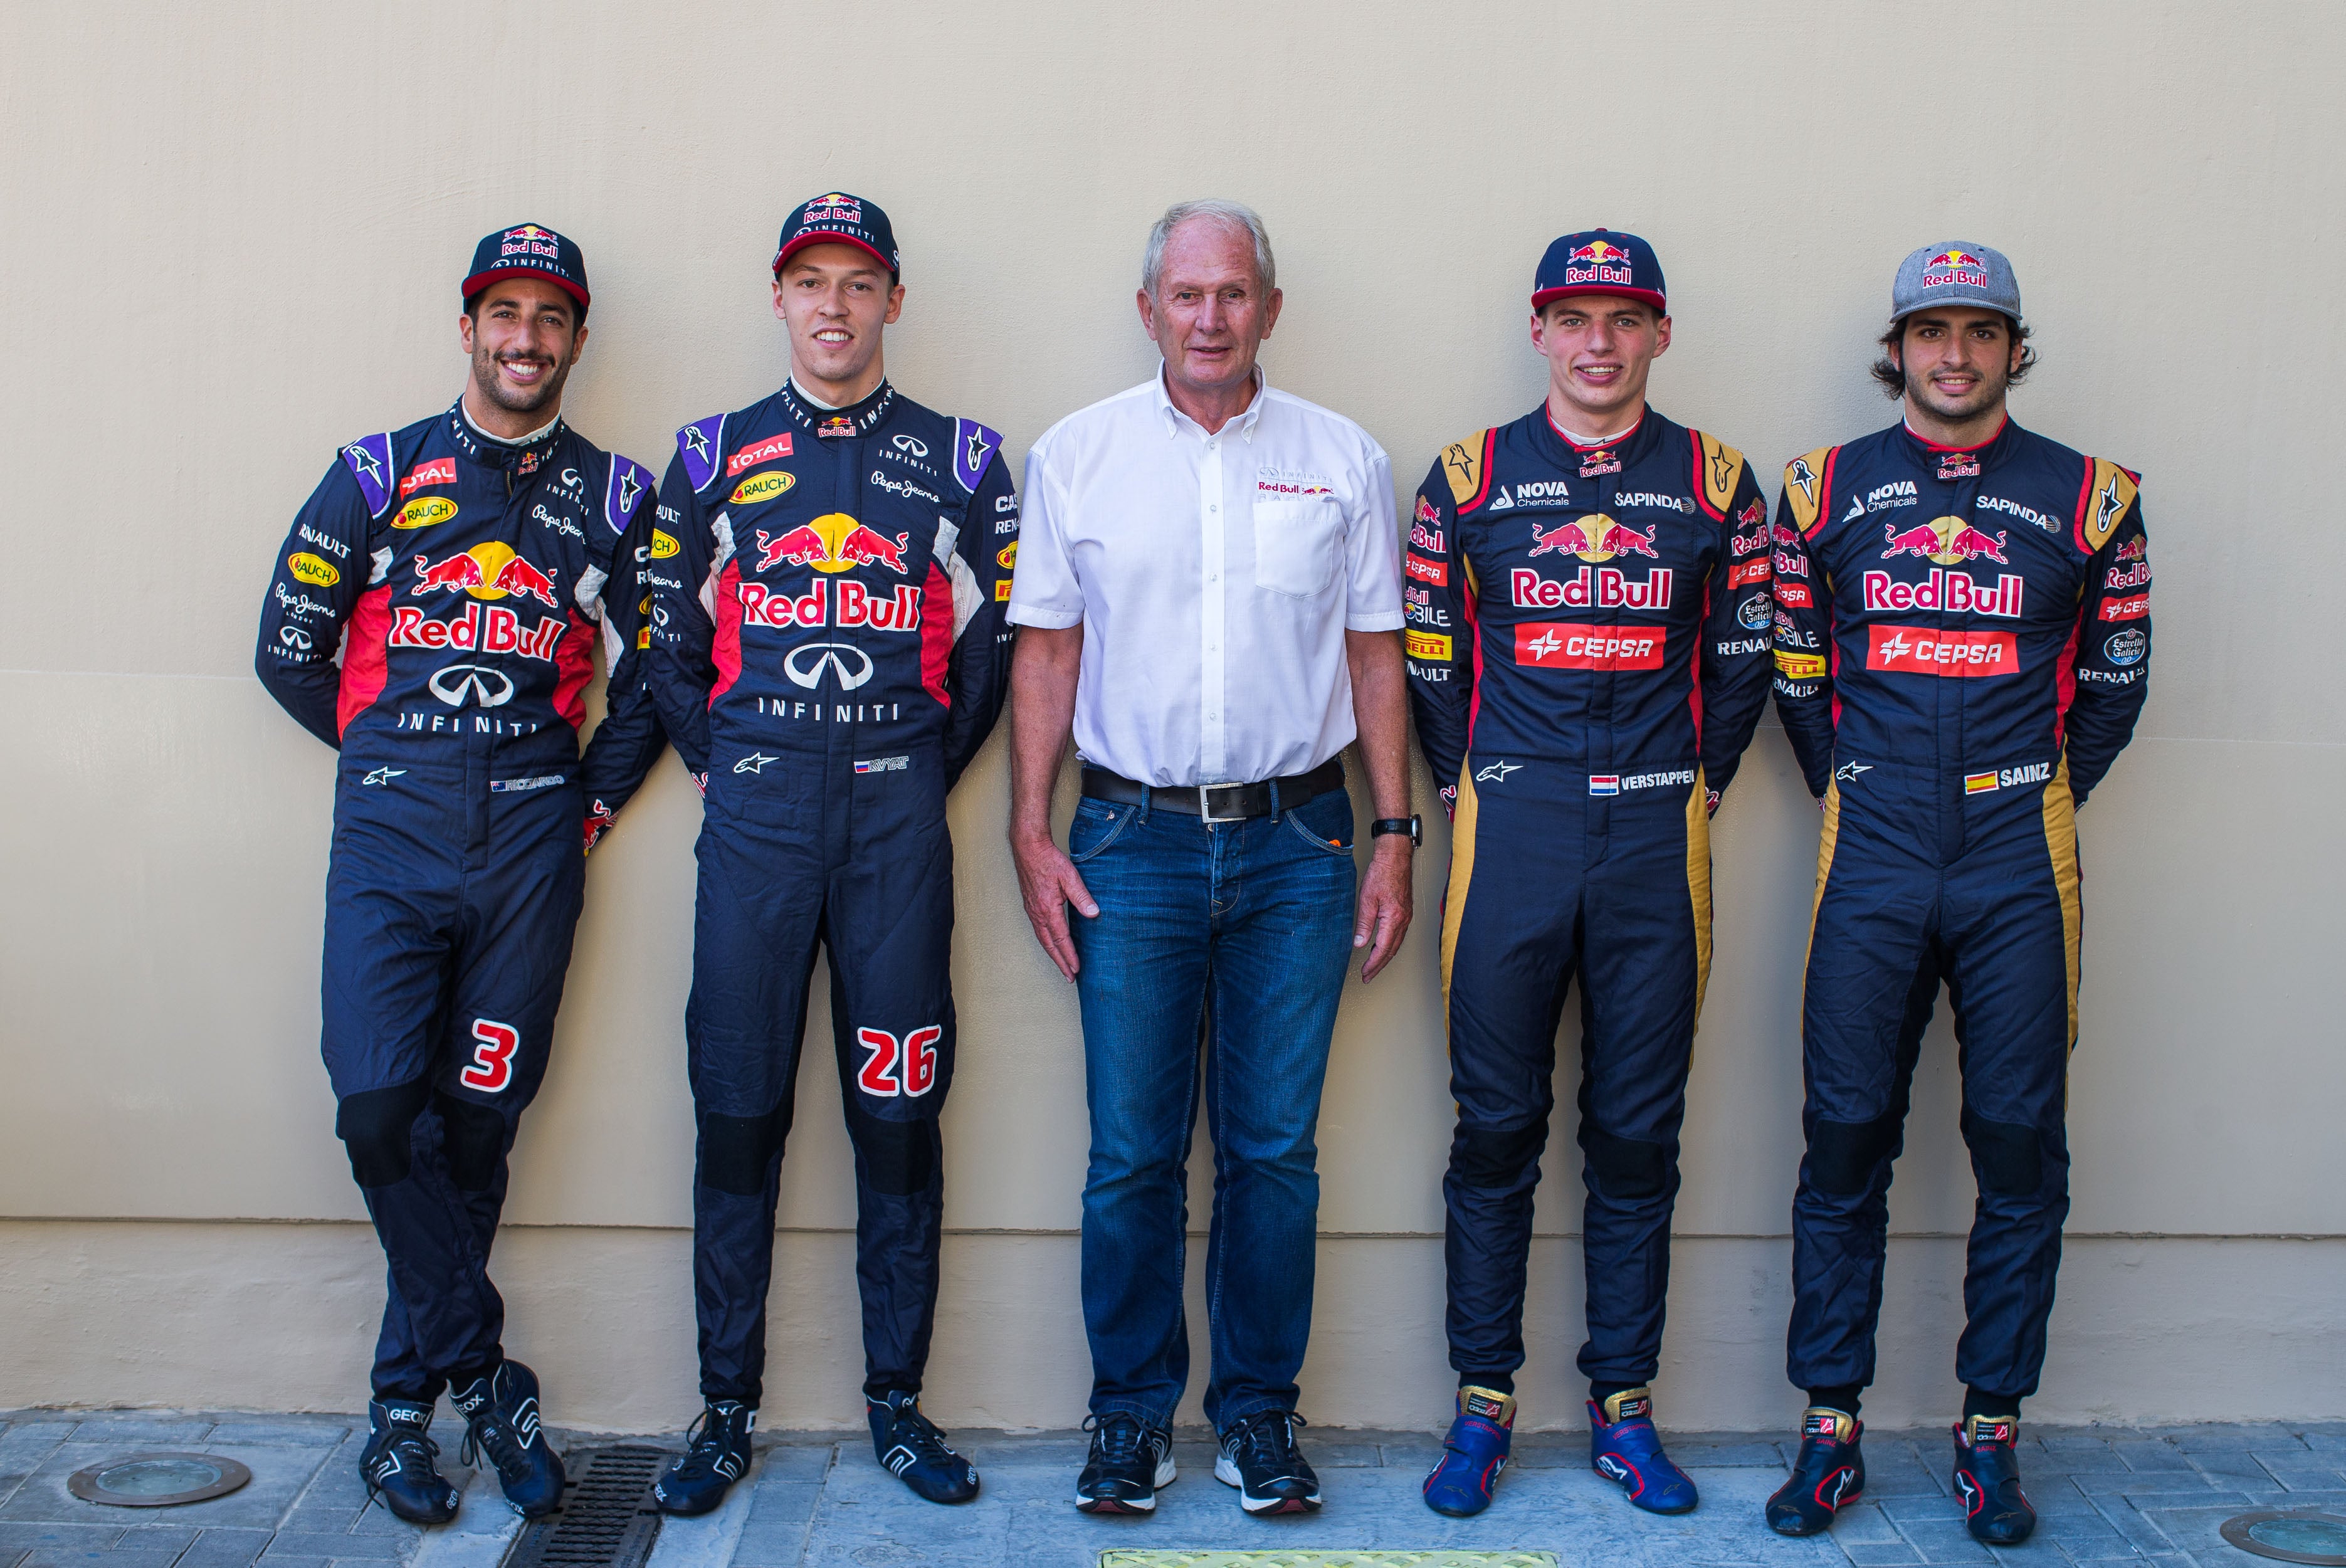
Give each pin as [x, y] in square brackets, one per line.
[477, 684]
[848, 664]
[2128, 647]
[1756, 612]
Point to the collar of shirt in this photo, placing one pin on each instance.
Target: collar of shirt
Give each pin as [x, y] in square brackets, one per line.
[1242, 426]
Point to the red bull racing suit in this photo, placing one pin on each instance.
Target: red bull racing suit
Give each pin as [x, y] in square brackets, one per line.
[1962, 643]
[829, 651]
[1588, 652]
[463, 580]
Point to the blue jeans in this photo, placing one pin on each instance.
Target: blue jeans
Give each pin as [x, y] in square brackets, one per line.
[1237, 934]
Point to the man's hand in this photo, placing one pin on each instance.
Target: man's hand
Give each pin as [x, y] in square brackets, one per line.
[1383, 916]
[1049, 882]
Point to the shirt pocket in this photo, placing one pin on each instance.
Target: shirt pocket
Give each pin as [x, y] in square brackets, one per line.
[1298, 544]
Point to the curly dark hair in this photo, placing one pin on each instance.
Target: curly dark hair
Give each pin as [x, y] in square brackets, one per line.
[1893, 378]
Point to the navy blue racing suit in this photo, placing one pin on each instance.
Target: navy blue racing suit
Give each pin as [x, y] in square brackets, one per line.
[1588, 653]
[1963, 644]
[829, 651]
[471, 577]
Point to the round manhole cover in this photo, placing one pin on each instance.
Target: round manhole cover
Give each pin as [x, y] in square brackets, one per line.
[2299, 1536]
[159, 1480]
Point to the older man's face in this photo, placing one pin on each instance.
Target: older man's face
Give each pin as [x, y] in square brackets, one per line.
[1211, 313]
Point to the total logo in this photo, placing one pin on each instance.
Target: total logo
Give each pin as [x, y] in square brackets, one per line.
[766, 451]
[489, 571]
[1564, 645]
[439, 471]
[899, 612]
[1595, 537]
[1949, 541]
[1954, 592]
[1913, 651]
[1600, 588]
[499, 630]
[831, 543]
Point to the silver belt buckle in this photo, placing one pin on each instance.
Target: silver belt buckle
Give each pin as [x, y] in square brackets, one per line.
[1206, 802]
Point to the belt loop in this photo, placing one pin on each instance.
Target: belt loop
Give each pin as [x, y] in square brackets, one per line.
[1145, 793]
[1274, 799]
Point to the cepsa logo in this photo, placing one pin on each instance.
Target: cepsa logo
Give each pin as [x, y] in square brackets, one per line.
[764, 452]
[1914, 652]
[2130, 609]
[315, 570]
[760, 487]
[896, 612]
[1795, 595]
[1435, 571]
[424, 512]
[831, 543]
[439, 471]
[1758, 571]
[1551, 645]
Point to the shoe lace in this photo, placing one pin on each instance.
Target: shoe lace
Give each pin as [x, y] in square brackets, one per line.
[706, 1444]
[1117, 1437]
[916, 1432]
[407, 1445]
[1267, 1436]
[490, 1434]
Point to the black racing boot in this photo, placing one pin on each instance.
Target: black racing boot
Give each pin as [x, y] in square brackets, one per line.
[1827, 1475]
[912, 1449]
[1987, 1480]
[398, 1467]
[500, 1413]
[716, 1455]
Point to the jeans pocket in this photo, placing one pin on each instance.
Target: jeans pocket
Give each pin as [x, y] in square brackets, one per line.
[1324, 832]
[1096, 827]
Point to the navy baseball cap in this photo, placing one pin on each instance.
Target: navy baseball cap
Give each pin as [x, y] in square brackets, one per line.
[1955, 274]
[1600, 262]
[529, 250]
[837, 219]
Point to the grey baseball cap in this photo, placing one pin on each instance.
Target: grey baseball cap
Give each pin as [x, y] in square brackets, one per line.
[1954, 273]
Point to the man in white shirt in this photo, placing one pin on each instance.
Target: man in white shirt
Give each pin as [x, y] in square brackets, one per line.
[1208, 580]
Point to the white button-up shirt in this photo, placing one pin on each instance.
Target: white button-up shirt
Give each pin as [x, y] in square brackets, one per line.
[1214, 575]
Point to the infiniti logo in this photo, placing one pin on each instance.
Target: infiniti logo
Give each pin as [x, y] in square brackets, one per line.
[911, 444]
[484, 686]
[807, 671]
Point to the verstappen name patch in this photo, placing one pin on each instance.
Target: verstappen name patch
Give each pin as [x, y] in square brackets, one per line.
[1618, 783]
[884, 765]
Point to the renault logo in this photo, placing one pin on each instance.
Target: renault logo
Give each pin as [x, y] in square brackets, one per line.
[475, 682]
[848, 663]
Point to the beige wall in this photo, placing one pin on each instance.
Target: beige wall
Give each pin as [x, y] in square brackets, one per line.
[232, 243]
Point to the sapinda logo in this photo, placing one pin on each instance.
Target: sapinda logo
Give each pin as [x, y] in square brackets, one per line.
[424, 512]
[663, 544]
[760, 487]
[906, 1067]
[315, 570]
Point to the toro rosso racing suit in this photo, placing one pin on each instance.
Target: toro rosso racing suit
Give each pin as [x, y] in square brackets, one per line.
[1963, 645]
[1587, 656]
[470, 575]
[829, 651]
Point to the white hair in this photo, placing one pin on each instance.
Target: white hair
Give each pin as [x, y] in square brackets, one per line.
[1235, 215]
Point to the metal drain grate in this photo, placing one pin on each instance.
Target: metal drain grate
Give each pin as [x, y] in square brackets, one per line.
[607, 1520]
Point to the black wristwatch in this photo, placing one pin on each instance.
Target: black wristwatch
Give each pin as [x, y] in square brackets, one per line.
[1413, 826]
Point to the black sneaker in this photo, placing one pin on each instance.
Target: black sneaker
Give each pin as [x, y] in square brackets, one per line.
[1827, 1475]
[398, 1467]
[911, 1449]
[500, 1413]
[1987, 1480]
[716, 1455]
[1260, 1458]
[1128, 1462]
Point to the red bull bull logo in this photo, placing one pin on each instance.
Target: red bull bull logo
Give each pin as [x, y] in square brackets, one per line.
[1595, 537]
[1964, 268]
[490, 571]
[1948, 541]
[1599, 261]
[832, 543]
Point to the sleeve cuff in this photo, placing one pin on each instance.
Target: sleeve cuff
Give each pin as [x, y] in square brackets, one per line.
[1051, 620]
[1375, 621]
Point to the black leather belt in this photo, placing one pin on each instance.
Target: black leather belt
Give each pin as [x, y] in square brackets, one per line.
[1218, 802]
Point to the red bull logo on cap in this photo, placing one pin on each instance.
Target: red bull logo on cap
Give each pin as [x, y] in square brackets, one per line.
[835, 207]
[832, 543]
[529, 239]
[1599, 261]
[490, 571]
[1955, 268]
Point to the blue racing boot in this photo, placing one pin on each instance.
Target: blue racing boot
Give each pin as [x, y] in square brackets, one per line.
[500, 1413]
[1987, 1480]
[1624, 1447]
[1828, 1474]
[397, 1465]
[1474, 1454]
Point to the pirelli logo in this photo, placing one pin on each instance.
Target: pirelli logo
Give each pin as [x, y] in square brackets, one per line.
[1427, 645]
[1800, 666]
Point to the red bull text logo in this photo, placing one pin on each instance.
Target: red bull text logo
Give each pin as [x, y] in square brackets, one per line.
[897, 612]
[1960, 268]
[1914, 652]
[1599, 261]
[1954, 592]
[1591, 587]
[1595, 537]
[832, 543]
[488, 571]
[482, 629]
[1949, 541]
[1564, 646]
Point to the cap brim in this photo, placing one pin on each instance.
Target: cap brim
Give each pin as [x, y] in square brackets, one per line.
[1651, 297]
[480, 280]
[1967, 299]
[818, 238]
